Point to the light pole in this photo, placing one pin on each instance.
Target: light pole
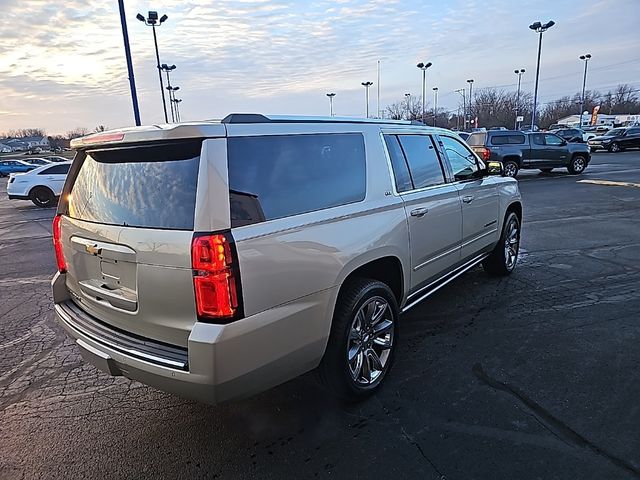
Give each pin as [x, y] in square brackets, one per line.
[151, 21]
[470, 82]
[586, 59]
[463, 92]
[435, 106]
[423, 67]
[168, 68]
[177, 101]
[539, 28]
[519, 73]
[127, 53]
[378, 88]
[407, 97]
[172, 96]
[366, 86]
[331, 95]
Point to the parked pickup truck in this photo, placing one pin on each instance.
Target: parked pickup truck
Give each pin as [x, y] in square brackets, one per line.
[517, 150]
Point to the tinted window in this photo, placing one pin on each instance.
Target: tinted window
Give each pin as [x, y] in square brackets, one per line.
[56, 170]
[399, 164]
[552, 140]
[423, 161]
[279, 176]
[537, 139]
[463, 162]
[151, 187]
[507, 139]
[633, 131]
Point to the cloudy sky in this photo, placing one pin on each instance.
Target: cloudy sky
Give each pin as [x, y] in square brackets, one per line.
[62, 63]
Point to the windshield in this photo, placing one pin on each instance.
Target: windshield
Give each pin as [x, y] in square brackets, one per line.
[150, 186]
[615, 132]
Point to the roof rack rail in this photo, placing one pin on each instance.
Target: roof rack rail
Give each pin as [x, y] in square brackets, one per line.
[260, 118]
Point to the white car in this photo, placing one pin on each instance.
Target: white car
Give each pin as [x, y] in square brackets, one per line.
[41, 185]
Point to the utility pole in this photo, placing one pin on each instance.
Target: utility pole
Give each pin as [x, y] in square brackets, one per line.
[127, 53]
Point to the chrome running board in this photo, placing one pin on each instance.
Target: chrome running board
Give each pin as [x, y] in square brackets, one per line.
[442, 281]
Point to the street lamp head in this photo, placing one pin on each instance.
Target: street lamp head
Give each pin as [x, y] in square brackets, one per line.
[470, 80]
[435, 89]
[330, 95]
[535, 26]
[163, 18]
[140, 17]
[367, 84]
[549, 24]
[152, 18]
[428, 65]
[516, 71]
[420, 65]
[522, 70]
[588, 55]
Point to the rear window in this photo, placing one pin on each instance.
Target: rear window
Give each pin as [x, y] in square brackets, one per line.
[143, 186]
[282, 175]
[477, 139]
[513, 139]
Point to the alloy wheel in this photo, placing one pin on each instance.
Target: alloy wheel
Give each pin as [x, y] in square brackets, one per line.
[370, 342]
[511, 244]
[510, 170]
[578, 164]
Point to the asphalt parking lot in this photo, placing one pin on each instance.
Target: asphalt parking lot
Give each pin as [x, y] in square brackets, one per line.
[532, 376]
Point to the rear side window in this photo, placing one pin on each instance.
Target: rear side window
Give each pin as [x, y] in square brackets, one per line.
[282, 175]
[399, 164]
[514, 139]
[55, 170]
[423, 160]
[537, 139]
[143, 186]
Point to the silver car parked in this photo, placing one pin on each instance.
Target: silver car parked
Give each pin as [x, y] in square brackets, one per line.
[218, 259]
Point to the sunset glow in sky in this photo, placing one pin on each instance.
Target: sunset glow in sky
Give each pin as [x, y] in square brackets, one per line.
[62, 63]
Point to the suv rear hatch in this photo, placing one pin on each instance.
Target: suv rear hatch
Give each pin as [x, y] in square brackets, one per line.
[127, 226]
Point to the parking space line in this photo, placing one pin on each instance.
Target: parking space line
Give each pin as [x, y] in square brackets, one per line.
[611, 183]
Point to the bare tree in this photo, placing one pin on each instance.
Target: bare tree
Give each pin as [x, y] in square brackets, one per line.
[76, 132]
[100, 128]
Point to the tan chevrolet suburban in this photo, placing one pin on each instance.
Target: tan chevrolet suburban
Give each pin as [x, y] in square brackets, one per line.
[218, 259]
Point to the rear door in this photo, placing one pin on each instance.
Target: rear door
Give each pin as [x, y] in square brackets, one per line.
[127, 226]
[479, 195]
[433, 207]
[537, 152]
[632, 138]
[55, 176]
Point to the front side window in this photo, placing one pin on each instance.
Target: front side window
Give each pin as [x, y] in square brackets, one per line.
[464, 163]
[423, 160]
[279, 176]
[552, 140]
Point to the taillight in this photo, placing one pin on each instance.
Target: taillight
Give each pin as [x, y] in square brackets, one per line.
[486, 153]
[215, 276]
[57, 245]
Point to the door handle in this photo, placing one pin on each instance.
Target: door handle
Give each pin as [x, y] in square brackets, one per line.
[468, 198]
[419, 212]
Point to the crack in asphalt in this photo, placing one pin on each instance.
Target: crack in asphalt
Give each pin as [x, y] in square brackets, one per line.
[560, 429]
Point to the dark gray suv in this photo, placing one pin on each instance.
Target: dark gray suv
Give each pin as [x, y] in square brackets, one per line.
[542, 150]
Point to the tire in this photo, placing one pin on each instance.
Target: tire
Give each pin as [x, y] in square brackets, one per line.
[577, 165]
[504, 257]
[42, 197]
[359, 378]
[510, 168]
[614, 147]
[546, 170]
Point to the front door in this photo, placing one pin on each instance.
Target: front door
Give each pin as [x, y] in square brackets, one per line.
[556, 151]
[479, 196]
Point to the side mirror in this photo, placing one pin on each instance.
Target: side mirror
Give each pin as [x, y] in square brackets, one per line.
[494, 168]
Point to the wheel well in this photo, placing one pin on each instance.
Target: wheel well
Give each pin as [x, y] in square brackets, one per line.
[515, 207]
[579, 154]
[387, 270]
[34, 188]
[514, 158]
